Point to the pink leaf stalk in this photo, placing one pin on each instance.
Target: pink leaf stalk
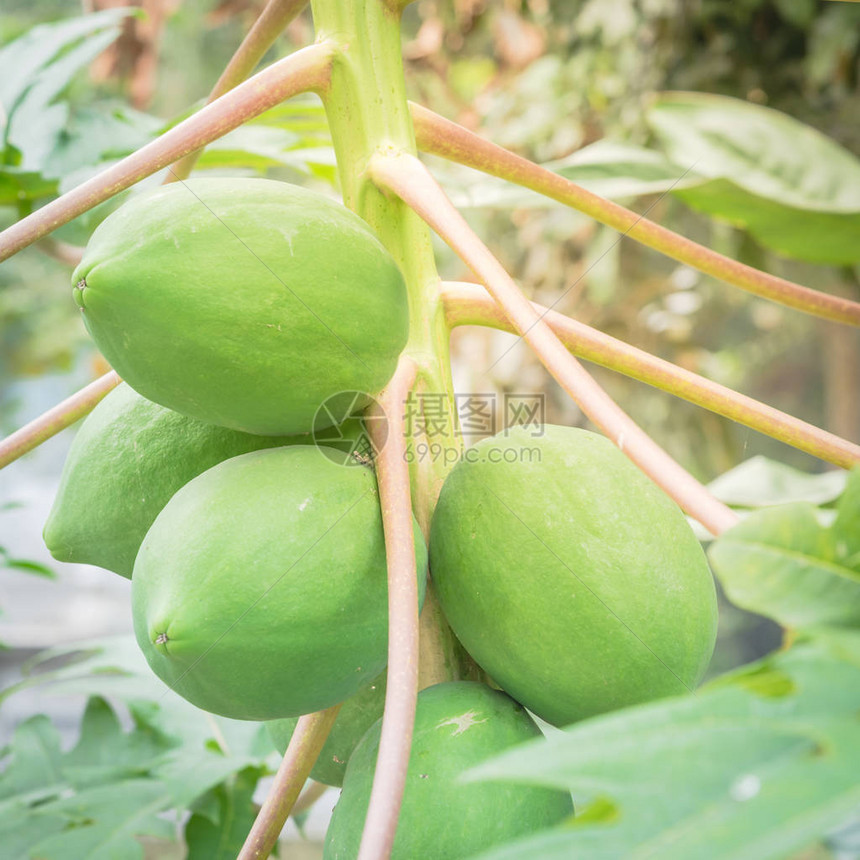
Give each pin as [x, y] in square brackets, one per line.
[470, 304]
[407, 177]
[305, 70]
[446, 139]
[392, 473]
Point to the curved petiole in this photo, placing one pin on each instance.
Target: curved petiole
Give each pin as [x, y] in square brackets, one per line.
[392, 473]
[409, 179]
[439, 136]
[301, 754]
[470, 304]
[304, 71]
[268, 26]
[50, 423]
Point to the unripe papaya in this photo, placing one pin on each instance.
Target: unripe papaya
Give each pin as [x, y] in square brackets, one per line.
[242, 302]
[357, 714]
[260, 591]
[570, 577]
[458, 725]
[129, 457]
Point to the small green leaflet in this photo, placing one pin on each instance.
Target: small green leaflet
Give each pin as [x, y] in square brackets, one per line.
[757, 765]
[221, 836]
[760, 482]
[783, 563]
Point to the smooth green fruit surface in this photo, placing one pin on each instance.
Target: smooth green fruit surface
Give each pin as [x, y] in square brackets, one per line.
[242, 302]
[357, 714]
[570, 577]
[457, 726]
[129, 457]
[260, 591]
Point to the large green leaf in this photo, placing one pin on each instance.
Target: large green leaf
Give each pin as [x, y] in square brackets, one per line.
[795, 190]
[783, 563]
[756, 765]
[103, 823]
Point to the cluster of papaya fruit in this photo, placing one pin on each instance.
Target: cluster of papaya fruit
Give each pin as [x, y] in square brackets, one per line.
[233, 309]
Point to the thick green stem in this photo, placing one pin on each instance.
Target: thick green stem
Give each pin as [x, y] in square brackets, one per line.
[368, 112]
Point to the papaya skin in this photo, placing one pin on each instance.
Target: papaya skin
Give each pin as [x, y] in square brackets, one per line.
[242, 302]
[127, 460]
[357, 714]
[571, 578]
[458, 725]
[260, 592]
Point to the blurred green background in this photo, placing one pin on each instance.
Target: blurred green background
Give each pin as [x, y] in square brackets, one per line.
[545, 79]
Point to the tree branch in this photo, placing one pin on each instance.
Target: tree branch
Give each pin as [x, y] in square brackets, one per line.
[444, 138]
[392, 472]
[305, 70]
[271, 23]
[407, 177]
[302, 752]
[470, 304]
[63, 415]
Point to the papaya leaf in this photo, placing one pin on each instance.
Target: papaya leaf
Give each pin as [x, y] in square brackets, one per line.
[783, 563]
[103, 823]
[105, 753]
[27, 57]
[32, 764]
[222, 837]
[792, 188]
[760, 482]
[758, 764]
[191, 750]
[17, 186]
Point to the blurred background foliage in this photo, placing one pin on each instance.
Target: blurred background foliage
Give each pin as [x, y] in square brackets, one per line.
[543, 78]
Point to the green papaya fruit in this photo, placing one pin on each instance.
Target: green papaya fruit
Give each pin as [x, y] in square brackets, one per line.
[357, 714]
[242, 302]
[570, 577]
[129, 457]
[260, 591]
[458, 725]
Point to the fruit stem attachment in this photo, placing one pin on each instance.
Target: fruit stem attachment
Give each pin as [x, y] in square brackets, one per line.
[392, 475]
[306, 70]
[50, 423]
[409, 179]
[268, 26]
[302, 752]
[470, 304]
[439, 136]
